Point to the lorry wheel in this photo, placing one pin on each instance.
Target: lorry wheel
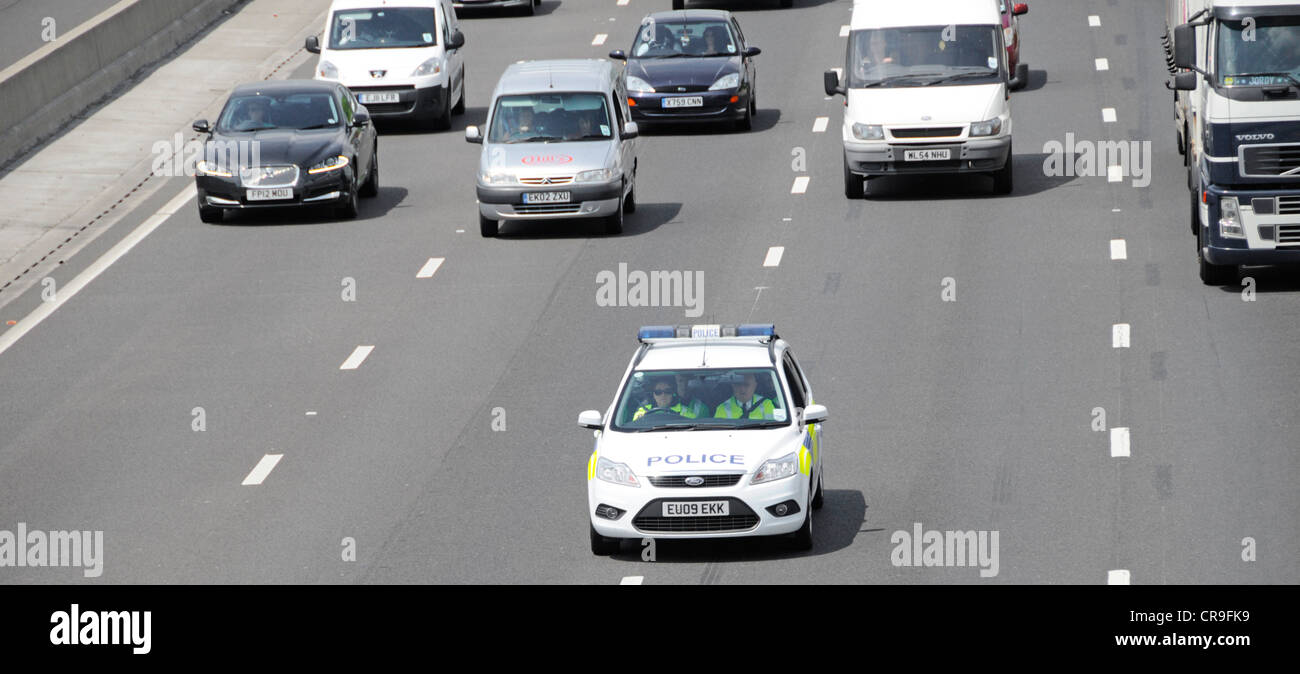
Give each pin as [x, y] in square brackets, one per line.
[853, 183]
[1214, 274]
[1195, 219]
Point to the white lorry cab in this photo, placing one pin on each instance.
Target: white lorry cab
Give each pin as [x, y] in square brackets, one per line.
[926, 91]
[402, 58]
[1236, 67]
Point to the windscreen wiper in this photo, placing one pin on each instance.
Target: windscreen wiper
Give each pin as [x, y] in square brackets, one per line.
[958, 76]
[895, 78]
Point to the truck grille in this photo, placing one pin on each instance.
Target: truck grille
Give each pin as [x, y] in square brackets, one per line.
[1271, 161]
[927, 132]
[649, 520]
[663, 481]
[1288, 205]
[1288, 235]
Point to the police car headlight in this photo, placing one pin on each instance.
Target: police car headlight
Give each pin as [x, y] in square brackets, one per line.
[869, 131]
[596, 175]
[991, 127]
[776, 469]
[617, 473]
[1230, 218]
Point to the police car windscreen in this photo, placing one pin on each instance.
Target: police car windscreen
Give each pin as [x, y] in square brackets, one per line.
[924, 56]
[701, 399]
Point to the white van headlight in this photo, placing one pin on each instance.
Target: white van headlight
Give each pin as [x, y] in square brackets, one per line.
[618, 473]
[726, 82]
[596, 175]
[639, 85]
[431, 67]
[776, 469]
[1230, 218]
[328, 71]
[990, 127]
[869, 131]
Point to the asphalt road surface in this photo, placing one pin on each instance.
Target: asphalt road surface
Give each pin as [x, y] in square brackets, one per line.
[973, 414]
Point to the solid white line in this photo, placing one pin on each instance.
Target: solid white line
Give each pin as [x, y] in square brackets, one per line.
[1103, 64]
[631, 580]
[1119, 442]
[96, 268]
[819, 124]
[1108, 115]
[430, 267]
[1119, 335]
[1118, 249]
[773, 258]
[800, 185]
[599, 39]
[1094, 20]
[844, 30]
[358, 355]
[1117, 577]
[262, 469]
[1115, 174]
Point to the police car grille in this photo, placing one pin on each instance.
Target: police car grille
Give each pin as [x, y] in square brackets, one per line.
[650, 519]
[1271, 160]
[664, 481]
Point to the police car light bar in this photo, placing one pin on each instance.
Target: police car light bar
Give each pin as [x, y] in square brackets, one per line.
[698, 331]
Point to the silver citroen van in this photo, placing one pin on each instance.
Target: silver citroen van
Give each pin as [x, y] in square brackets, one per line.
[558, 143]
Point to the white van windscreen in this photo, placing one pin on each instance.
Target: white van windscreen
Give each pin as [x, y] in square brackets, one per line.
[924, 56]
[384, 28]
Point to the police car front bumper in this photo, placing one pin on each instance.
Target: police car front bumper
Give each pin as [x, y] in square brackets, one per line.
[641, 512]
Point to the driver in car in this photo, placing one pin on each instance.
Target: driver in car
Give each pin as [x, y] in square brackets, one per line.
[664, 400]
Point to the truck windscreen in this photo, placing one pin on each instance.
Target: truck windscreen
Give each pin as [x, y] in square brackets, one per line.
[1264, 51]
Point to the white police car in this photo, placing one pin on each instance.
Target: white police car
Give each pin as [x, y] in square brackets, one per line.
[713, 434]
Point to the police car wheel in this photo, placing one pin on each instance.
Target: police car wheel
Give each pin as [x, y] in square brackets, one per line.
[603, 546]
[818, 500]
[803, 538]
[486, 226]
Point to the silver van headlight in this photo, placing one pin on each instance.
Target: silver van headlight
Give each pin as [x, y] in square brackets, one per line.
[597, 175]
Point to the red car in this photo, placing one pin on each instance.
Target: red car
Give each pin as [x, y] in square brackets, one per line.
[1011, 35]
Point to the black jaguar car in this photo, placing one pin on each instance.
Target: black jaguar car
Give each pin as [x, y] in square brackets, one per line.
[690, 66]
[287, 143]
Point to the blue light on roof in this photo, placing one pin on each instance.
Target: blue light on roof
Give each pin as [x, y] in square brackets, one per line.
[655, 332]
[756, 330]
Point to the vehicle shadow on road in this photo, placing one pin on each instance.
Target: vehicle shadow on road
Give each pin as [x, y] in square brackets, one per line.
[646, 219]
[764, 119]
[371, 209]
[759, 6]
[1037, 80]
[406, 127]
[834, 528]
[1267, 280]
[1030, 178]
[543, 9]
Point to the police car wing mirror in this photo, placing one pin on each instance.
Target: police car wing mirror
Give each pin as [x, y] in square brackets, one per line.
[814, 414]
[473, 135]
[831, 83]
[630, 130]
[591, 419]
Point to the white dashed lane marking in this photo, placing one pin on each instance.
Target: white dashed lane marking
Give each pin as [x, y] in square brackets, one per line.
[1119, 335]
[358, 356]
[1108, 115]
[844, 31]
[819, 124]
[773, 258]
[1103, 64]
[262, 469]
[1119, 442]
[1117, 577]
[631, 580]
[599, 39]
[1115, 174]
[1118, 249]
[800, 185]
[430, 267]
[1094, 21]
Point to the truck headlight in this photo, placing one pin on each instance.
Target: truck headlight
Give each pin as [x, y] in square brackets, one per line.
[990, 127]
[617, 473]
[328, 71]
[1230, 219]
[639, 85]
[492, 178]
[726, 82]
[430, 67]
[776, 469]
[596, 175]
[869, 131]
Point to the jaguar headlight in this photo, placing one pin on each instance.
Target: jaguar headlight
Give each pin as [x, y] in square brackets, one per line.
[331, 164]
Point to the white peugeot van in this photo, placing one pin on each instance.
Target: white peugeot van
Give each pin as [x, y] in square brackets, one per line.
[557, 144]
[926, 91]
[401, 58]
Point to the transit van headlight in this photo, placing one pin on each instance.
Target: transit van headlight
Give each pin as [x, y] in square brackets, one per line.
[596, 175]
[617, 473]
[990, 127]
[207, 168]
[331, 164]
[431, 67]
[726, 82]
[328, 71]
[869, 131]
[1230, 218]
[776, 469]
[639, 85]
[490, 178]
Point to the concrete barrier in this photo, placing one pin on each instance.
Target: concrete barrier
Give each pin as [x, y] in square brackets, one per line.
[55, 84]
